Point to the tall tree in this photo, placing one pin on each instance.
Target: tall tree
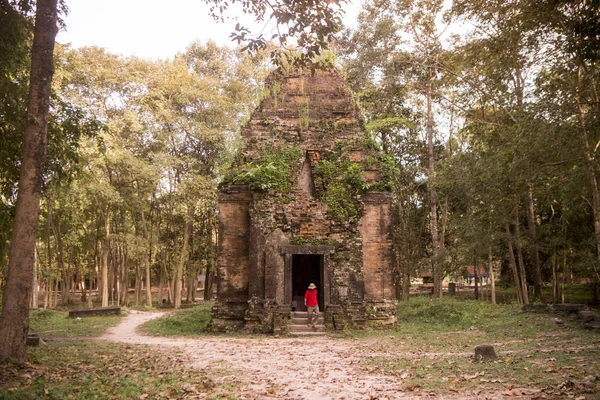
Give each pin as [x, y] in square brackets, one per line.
[14, 322]
[398, 48]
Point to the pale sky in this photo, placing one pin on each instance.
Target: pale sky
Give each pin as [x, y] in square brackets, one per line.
[152, 28]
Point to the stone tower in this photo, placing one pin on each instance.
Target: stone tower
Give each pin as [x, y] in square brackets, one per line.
[307, 201]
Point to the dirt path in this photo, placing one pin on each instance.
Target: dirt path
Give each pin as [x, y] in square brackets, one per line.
[279, 368]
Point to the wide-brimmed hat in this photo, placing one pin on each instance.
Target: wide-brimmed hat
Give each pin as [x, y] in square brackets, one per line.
[312, 286]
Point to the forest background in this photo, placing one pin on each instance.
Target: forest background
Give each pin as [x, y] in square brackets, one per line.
[493, 133]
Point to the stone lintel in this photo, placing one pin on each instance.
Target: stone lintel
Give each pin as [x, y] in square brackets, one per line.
[235, 193]
[376, 197]
[306, 249]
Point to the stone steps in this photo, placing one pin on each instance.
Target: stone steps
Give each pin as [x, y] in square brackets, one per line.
[299, 325]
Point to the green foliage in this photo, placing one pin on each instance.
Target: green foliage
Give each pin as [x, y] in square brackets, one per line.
[380, 124]
[271, 171]
[339, 181]
[303, 116]
[185, 322]
[311, 24]
[388, 167]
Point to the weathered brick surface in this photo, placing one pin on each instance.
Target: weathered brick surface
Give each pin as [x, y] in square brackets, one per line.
[260, 231]
[233, 243]
[377, 248]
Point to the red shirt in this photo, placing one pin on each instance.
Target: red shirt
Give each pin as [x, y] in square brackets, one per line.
[311, 298]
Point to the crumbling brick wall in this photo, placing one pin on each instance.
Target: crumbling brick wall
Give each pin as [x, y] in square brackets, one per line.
[307, 181]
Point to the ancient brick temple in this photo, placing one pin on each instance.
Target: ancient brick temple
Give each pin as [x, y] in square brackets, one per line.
[307, 201]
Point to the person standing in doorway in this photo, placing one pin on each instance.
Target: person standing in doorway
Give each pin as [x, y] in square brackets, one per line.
[310, 301]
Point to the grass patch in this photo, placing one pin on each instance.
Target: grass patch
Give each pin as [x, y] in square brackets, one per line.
[186, 322]
[53, 323]
[103, 370]
[433, 346]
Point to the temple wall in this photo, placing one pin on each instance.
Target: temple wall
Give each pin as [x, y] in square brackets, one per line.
[325, 210]
[234, 229]
[377, 247]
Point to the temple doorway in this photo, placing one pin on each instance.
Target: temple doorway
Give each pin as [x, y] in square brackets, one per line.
[306, 269]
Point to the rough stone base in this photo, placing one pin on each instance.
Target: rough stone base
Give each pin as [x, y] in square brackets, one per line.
[381, 312]
[229, 315]
[264, 316]
[334, 317]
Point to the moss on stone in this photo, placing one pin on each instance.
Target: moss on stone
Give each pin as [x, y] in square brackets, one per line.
[300, 241]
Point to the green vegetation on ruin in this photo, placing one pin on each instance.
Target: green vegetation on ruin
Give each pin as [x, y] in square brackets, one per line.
[271, 171]
[339, 180]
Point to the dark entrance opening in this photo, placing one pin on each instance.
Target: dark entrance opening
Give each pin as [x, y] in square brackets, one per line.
[306, 269]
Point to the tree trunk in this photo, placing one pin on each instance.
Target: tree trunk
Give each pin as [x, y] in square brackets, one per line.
[104, 259]
[46, 294]
[147, 262]
[513, 266]
[556, 279]
[442, 242]
[491, 275]
[160, 288]
[68, 279]
[435, 262]
[476, 274]
[405, 284]
[183, 257]
[60, 257]
[47, 298]
[124, 276]
[82, 283]
[520, 258]
[34, 297]
[113, 276]
[117, 262]
[14, 321]
[534, 254]
[591, 166]
[138, 284]
[55, 293]
[210, 259]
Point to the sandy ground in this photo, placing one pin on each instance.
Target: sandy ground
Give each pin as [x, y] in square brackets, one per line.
[283, 368]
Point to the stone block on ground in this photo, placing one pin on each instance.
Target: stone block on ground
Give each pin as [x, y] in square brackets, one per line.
[485, 352]
[588, 316]
[80, 312]
[595, 325]
[33, 340]
[536, 307]
[570, 308]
